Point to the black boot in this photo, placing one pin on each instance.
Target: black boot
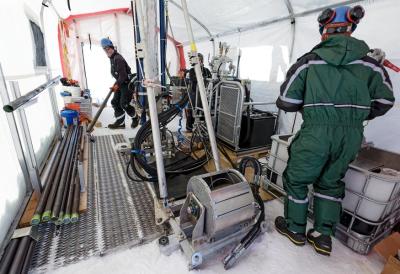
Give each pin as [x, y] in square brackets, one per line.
[322, 243]
[119, 123]
[281, 226]
[135, 121]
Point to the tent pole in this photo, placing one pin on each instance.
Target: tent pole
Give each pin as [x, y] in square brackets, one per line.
[202, 89]
[79, 48]
[210, 36]
[293, 25]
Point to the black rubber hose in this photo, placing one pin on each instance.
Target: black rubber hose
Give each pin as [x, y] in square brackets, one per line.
[247, 240]
[129, 175]
[250, 161]
[145, 131]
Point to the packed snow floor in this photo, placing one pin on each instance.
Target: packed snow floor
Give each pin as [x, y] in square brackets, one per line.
[271, 253]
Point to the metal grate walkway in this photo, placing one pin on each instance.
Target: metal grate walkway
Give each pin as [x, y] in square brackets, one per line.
[120, 214]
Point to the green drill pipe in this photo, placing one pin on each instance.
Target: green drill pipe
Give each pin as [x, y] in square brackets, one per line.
[68, 207]
[47, 212]
[8, 256]
[64, 175]
[70, 178]
[43, 198]
[75, 204]
[28, 257]
[20, 255]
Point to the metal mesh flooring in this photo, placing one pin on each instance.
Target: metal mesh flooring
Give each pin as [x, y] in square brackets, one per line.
[120, 214]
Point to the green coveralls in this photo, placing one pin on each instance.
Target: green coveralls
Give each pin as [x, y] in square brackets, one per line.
[336, 86]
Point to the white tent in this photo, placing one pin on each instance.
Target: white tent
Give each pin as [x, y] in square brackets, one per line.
[272, 35]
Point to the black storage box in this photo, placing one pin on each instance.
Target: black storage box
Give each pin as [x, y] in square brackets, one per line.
[256, 129]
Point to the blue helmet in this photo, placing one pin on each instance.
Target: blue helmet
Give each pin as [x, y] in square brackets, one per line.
[340, 16]
[105, 42]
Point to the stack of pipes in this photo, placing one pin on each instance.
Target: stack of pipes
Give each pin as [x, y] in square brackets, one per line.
[59, 202]
[17, 256]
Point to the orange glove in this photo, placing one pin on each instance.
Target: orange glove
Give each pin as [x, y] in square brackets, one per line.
[115, 88]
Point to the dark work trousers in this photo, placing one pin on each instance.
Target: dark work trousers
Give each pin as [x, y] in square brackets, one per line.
[189, 111]
[122, 102]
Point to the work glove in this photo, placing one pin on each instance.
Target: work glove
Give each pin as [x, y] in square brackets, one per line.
[115, 88]
[377, 54]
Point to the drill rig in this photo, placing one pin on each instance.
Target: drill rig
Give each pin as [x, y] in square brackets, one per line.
[219, 208]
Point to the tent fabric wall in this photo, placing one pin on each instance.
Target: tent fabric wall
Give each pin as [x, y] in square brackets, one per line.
[276, 39]
[17, 60]
[12, 183]
[379, 30]
[89, 29]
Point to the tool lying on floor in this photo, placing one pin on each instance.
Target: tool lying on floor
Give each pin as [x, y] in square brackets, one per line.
[96, 117]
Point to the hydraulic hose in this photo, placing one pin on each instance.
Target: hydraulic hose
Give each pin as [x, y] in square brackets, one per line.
[144, 132]
[256, 230]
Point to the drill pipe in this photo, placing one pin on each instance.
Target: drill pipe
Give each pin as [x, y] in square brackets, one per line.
[28, 257]
[64, 175]
[22, 100]
[20, 255]
[47, 212]
[82, 147]
[69, 180]
[75, 204]
[8, 256]
[98, 113]
[68, 207]
[43, 198]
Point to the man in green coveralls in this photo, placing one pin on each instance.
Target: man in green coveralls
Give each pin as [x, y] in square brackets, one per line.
[337, 86]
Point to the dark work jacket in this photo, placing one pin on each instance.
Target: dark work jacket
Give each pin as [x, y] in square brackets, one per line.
[192, 76]
[120, 69]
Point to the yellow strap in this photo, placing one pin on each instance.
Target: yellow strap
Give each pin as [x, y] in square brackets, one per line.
[193, 47]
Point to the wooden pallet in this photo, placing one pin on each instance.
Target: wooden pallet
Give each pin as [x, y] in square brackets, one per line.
[235, 158]
[83, 197]
[26, 218]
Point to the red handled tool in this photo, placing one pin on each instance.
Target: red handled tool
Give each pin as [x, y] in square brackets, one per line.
[390, 65]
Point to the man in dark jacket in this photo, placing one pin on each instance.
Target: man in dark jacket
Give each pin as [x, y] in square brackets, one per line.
[193, 90]
[336, 86]
[122, 100]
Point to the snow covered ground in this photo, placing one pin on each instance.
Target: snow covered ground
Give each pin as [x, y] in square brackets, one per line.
[271, 253]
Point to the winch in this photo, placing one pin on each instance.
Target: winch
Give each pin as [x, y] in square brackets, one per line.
[219, 210]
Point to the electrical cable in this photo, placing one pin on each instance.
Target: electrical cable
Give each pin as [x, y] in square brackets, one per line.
[223, 151]
[256, 230]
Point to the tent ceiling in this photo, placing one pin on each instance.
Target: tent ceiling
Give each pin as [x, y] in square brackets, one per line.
[219, 18]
